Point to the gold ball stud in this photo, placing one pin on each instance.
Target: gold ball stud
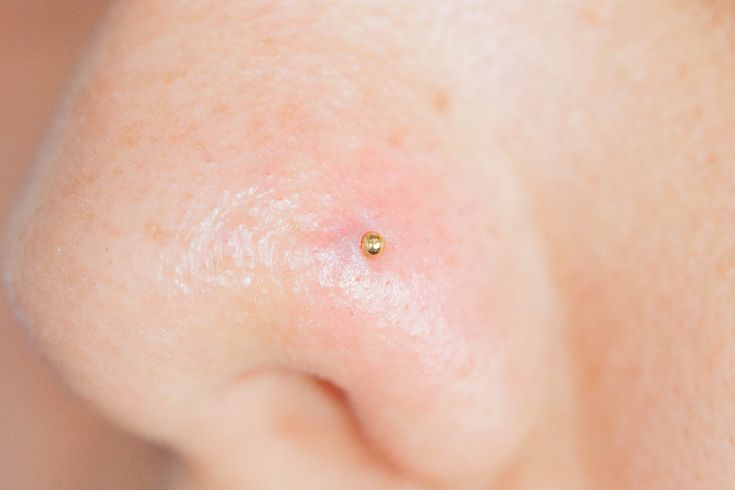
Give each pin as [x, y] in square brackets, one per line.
[372, 244]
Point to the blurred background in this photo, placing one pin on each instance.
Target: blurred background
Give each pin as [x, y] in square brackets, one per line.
[49, 439]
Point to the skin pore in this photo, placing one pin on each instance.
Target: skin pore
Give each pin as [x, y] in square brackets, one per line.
[48, 438]
[553, 182]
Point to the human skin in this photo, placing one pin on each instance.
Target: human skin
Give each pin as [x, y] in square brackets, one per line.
[49, 438]
[553, 308]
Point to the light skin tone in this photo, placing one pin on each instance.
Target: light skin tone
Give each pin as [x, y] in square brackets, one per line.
[553, 308]
[48, 437]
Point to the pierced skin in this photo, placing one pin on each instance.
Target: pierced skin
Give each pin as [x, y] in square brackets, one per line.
[180, 245]
[266, 266]
[554, 306]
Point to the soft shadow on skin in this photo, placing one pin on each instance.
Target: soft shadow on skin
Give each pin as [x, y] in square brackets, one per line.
[48, 439]
[213, 171]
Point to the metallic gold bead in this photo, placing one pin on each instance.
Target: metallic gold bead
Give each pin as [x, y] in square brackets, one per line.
[372, 244]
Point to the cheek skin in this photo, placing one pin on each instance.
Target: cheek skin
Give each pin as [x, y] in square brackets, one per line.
[162, 253]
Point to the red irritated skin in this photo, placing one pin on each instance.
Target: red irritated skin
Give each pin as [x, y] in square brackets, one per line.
[193, 228]
[554, 181]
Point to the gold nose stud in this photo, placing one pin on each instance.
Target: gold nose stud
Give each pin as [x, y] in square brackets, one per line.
[372, 244]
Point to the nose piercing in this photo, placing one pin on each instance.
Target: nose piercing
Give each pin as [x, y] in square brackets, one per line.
[372, 244]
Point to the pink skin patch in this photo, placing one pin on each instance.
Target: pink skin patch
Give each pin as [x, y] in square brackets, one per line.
[285, 239]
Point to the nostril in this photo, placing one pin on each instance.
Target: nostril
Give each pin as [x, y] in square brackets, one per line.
[151, 277]
[301, 421]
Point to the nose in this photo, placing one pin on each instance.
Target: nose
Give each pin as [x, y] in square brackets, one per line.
[187, 228]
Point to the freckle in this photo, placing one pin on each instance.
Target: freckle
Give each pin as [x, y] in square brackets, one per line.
[87, 215]
[465, 368]
[221, 107]
[129, 139]
[441, 102]
[172, 75]
[590, 17]
[290, 115]
[711, 159]
[396, 139]
[155, 232]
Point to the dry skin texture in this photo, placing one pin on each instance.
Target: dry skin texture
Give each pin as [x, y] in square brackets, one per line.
[553, 188]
